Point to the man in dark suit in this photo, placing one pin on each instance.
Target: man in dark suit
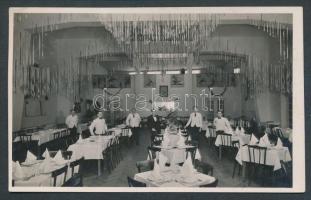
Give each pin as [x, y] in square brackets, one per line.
[153, 123]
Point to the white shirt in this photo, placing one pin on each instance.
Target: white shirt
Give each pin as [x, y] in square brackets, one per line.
[222, 124]
[99, 125]
[72, 121]
[195, 119]
[133, 120]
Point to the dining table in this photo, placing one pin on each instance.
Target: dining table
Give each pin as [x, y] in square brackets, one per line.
[91, 149]
[174, 152]
[174, 178]
[44, 136]
[241, 138]
[38, 174]
[274, 157]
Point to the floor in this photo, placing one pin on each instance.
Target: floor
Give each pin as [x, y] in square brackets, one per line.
[117, 178]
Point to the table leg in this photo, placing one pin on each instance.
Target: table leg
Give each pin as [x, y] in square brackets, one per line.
[219, 152]
[244, 171]
[98, 167]
[38, 151]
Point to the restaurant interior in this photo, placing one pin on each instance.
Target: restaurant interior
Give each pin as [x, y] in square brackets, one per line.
[151, 100]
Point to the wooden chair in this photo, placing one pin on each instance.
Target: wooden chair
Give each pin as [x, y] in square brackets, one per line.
[145, 165]
[133, 183]
[235, 163]
[66, 154]
[204, 167]
[212, 184]
[59, 172]
[107, 156]
[76, 179]
[124, 138]
[191, 151]
[257, 162]
[26, 141]
[157, 139]
[152, 152]
[226, 143]
[212, 132]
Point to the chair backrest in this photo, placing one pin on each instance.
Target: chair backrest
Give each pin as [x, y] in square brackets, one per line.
[278, 131]
[133, 183]
[125, 132]
[191, 151]
[58, 172]
[76, 163]
[158, 137]
[152, 152]
[144, 165]
[212, 132]
[257, 154]
[56, 135]
[17, 134]
[66, 154]
[226, 139]
[212, 184]
[192, 143]
[64, 133]
[25, 138]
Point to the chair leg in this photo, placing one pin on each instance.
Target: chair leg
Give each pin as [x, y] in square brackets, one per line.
[234, 166]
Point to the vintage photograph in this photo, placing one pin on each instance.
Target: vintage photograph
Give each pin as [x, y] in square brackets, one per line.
[160, 99]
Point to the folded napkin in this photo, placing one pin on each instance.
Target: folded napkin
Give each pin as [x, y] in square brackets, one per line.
[162, 160]
[242, 131]
[187, 170]
[264, 141]
[254, 140]
[30, 158]
[80, 138]
[237, 131]
[155, 174]
[279, 143]
[181, 141]
[46, 154]
[46, 166]
[59, 158]
[18, 173]
[166, 140]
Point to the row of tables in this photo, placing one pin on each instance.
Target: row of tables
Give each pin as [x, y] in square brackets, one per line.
[274, 155]
[90, 148]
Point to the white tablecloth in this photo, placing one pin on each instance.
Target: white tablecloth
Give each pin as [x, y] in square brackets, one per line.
[44, 136]
[273, 156]
[242, 138]
[171, 179]
[90, 148]
[43, 179]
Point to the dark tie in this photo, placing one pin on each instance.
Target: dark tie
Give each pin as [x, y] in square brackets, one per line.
[195, 114]
[133, 115]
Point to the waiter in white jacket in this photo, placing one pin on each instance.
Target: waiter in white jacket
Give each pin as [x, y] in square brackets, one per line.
[99, 124]
[222, 124]
[133, 121]
[195, 122]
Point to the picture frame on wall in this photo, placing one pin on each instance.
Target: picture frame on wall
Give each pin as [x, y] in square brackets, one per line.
[163, 90]
[177, 80]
